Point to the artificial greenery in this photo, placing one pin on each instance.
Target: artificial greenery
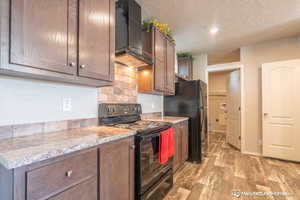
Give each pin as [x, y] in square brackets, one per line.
[185, 55]
[164, 28]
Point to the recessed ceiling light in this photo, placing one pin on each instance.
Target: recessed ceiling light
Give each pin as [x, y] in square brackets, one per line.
[214, 30]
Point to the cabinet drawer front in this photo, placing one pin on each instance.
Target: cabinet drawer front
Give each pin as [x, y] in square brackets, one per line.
[54, 178]
[84, 191]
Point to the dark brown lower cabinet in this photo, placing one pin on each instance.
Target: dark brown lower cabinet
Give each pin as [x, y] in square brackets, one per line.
[51, 179]
[117, 170]
[84, 191]
[177, 147]
[181, 144]
[185, 140]
[106, 171]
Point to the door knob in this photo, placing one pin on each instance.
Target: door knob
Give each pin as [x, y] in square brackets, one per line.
[82, 66]
[72, 64]
[132, 146]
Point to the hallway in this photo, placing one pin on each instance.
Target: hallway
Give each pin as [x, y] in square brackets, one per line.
[226, 169]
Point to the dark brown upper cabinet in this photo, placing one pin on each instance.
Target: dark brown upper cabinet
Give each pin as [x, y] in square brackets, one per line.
[185, 67]
[40, 37]
[170, 68]
[160, 62]
[58, 40]
[158, 78]
[94, 39]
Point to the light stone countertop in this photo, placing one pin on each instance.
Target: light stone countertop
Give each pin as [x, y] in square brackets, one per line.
[169, 119]
[21, 151]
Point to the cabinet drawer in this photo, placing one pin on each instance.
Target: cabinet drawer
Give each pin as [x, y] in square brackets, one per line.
[49, 180]
[84, 191]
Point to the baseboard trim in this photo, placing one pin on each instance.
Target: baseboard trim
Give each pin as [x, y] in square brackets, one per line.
[252, 153]
[218, 131]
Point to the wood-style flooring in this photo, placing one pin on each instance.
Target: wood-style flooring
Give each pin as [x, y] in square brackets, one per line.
[226, 169]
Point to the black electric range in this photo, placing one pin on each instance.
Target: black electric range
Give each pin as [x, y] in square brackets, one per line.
[152, 179]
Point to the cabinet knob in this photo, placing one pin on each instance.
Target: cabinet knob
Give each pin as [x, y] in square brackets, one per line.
[132, 146]
[82, 66]
[69, 173]
[72, 64]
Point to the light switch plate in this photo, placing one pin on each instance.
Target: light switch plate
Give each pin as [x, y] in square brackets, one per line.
[152, 105]
[67, 104]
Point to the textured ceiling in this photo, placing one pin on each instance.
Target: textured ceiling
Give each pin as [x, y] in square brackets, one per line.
[241, 22]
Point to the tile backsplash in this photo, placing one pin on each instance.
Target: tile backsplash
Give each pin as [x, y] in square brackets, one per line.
[151, 115]
[124, 89]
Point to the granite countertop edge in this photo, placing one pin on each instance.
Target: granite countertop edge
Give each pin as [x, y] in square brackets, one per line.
[170, 119]
[31, 159]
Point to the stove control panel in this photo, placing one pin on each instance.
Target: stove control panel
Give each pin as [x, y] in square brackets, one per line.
[114, 110]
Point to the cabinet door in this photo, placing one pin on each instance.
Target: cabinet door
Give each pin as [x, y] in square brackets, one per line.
[159, 76]
[96, 38]
[84, 191]
[177, 147]
[117, 170]
[185, 68]
[160, 62]
[185, 139]
[160, 46]
[43, 35]
[170, 69]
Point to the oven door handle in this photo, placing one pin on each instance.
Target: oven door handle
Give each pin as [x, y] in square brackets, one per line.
[146, 137]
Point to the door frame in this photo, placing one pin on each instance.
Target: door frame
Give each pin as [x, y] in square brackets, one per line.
[230, 67]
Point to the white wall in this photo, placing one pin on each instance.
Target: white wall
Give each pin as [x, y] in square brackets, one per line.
[252, 57]
[150, 103]
[199, 67]
[30, 101]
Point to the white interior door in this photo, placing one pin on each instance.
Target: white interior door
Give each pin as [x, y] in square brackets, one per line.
[233, 135]
[281, 110]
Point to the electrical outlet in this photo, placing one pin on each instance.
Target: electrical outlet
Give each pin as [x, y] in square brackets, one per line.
[67, 104]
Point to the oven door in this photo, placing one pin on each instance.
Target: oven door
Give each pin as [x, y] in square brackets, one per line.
[150, 170]
[161, 189]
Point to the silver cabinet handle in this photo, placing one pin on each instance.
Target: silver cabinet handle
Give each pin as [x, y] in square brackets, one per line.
[72, 64]
[69, 173]
[82, 66]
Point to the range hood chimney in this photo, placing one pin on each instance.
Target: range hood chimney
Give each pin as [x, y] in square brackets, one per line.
[129, 45]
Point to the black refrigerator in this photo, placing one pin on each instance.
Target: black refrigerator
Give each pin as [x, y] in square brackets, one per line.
[190, 100]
